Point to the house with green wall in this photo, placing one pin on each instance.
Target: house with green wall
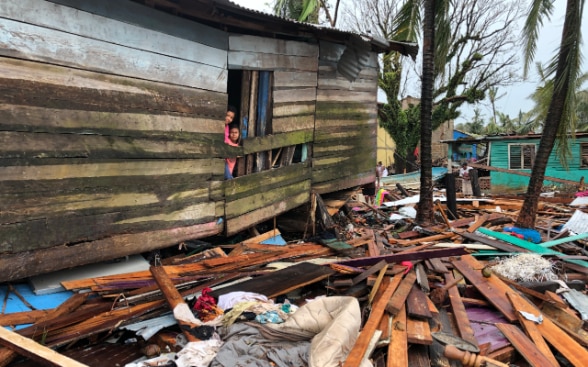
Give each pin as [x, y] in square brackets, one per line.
[518, 152]
[509, 159]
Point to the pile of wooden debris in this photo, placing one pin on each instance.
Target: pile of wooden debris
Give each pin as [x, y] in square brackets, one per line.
[472, 290]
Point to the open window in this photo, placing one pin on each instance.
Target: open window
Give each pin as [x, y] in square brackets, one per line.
[251, 92]
[521, 156]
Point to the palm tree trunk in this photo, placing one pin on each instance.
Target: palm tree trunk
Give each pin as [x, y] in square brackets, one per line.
[425, 207]
[528, 213]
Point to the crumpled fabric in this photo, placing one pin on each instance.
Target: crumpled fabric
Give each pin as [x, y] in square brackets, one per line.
[319, 334]
[229, 300]
[259, 308]
[245, 347]
[269, 317]
[194, 354]
[230, 317]
[332, 324]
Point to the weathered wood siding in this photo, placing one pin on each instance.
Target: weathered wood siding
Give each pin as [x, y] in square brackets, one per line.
[261, 196]
[346, 124]
[110, 131]
[505, 182]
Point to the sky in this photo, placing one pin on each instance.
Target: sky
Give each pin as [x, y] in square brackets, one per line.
[515, 97]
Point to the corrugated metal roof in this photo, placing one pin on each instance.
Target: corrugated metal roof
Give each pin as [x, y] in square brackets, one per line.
[379, 43]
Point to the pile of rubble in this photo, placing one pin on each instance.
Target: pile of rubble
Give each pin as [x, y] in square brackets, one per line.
[367, 287]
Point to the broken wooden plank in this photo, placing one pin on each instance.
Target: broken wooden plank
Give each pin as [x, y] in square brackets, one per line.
[462, 321]
[567, 321]
[417, 304]
[530, 246]
[418, 331]
[492, 288]
[182, 313]
[397, 258]
[524, 346]
[478, 223]
[559, 339]
[72, 303]
[281, 281]
[395, 303]
[500, 245]
[398, 347]
[361, 344]
[35, 351]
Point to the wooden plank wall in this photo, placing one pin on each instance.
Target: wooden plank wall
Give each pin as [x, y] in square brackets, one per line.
[346, 124]
[261, 196]
[107, 129]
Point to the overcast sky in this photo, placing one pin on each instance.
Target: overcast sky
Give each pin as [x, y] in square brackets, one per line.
[516, 96]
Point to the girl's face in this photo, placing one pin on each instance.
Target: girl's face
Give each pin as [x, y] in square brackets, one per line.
[229, 117]
[234, 134]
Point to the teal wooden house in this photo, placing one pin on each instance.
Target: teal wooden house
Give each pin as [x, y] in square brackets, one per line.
[517, 153]
[509, 159]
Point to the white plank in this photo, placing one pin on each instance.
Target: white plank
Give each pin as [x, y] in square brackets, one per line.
[96, 27]
[238, 42]
[261, 61]
[41, 44]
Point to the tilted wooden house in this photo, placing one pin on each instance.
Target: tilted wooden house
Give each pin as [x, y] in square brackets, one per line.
[112, 117]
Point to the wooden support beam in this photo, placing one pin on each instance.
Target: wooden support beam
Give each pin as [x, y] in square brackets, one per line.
[526, 174]
[182, 312]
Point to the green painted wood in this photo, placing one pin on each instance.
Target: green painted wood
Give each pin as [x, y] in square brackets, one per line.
[529, 246]
[559, 241]
[505, 182]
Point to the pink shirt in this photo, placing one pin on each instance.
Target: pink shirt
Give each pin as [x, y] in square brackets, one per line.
[230, 161]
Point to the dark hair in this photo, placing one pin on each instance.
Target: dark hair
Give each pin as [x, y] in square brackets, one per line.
[232, 109]
[233, 125]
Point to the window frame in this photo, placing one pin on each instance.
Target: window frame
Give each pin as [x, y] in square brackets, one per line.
[522, 163]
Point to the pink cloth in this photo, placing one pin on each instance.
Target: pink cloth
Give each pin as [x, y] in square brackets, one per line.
[230, 161]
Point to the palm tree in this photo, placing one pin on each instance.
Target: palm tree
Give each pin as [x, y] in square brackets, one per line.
[560, 119]
[425, 206]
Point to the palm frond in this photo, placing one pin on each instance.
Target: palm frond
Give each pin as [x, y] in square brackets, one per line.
[571, 76]
[540, 10]
[407, 24]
